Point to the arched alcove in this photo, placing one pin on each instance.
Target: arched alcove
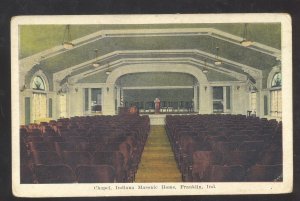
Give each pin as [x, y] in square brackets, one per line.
[159, 67]
[109, 103]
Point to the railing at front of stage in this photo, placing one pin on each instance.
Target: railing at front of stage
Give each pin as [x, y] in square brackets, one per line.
[167, 107]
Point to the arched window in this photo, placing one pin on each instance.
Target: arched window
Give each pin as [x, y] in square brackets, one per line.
[276, 106]
[253, 99]
[39, 105]
[38, 84]
[276, 81]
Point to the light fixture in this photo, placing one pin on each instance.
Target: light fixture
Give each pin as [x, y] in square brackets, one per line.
[246, 42]
[107, 71]
[67, 41]
[95, 64]
[218, 61]
[205, 70]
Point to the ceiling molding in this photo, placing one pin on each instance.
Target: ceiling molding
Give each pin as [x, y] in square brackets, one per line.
[225, 83]
[190, 61]
[25, 62]
[90, 85]
[236, 40]
[135, 61]
[159, 87]
[255, 73]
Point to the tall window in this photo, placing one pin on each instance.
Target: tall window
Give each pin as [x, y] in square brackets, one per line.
[276, 103]
[39, 103]
[218, 106]
[92, 99]
[276, 106]
[253, 102]
[96, 96]
[96, 103]
[39, 109]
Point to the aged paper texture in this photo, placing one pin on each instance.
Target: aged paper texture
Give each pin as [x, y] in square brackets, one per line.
[208, 69]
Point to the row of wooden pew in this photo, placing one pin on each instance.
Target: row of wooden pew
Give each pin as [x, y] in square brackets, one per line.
[226, 147]
[83, 149]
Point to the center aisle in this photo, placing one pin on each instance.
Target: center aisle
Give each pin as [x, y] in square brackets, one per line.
[158, 163]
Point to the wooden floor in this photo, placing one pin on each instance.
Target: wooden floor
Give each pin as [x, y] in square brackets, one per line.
[158, 162]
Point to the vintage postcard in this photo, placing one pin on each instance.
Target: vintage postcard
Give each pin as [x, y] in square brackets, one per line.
[149, 105]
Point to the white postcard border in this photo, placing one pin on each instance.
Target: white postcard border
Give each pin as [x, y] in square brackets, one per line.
[86, 190]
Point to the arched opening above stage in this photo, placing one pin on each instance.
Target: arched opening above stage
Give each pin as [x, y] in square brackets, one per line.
[198, 83]
[177, 92]
[149, 79]
[157, 67]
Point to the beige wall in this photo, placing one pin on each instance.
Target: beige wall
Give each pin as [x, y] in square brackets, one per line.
[76, 103]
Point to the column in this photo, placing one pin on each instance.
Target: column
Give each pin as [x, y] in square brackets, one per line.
[224, 100]
[236, 103]
[118, 96]
[76, 107]
[233, 99]
[195, 100]
[259, 99]
[205, 100]
[244, 92]
[89, 101]
[109, 100]
[122, 96]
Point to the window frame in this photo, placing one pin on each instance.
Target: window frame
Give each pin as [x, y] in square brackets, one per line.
[251, 102]
[274, 72]
[277, 111]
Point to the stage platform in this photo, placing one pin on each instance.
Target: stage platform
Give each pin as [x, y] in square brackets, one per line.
[159, 119]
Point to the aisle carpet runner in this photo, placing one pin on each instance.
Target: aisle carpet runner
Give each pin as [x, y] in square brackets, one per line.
[158, 162]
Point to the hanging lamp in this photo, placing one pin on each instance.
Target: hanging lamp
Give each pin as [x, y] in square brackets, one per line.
[67, 40]
[205, 70]
[95, 64]
[246, 42]
[107, 71]
[217, 61]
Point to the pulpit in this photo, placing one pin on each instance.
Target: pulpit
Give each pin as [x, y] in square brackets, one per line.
[157, 105]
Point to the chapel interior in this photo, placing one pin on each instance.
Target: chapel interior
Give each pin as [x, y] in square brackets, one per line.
[123, 103]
